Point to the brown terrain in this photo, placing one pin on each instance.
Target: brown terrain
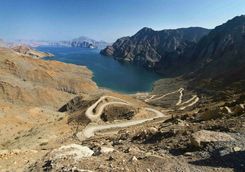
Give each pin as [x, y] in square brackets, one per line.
[26, 50]
[55, 118]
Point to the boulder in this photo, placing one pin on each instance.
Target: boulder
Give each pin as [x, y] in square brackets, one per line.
[106, 150]
[204, 136]
[72, 151]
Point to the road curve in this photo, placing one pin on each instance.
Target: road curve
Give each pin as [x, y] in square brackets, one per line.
[196, 99]
[152, 98]
[91, 129]
[95, 116]
[180, 96]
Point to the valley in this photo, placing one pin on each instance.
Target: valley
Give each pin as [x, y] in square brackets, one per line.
[62, 116]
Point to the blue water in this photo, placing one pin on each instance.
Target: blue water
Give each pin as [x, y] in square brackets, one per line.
[108, 73]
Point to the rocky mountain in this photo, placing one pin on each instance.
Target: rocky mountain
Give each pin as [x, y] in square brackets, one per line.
[205, 56]
[81, 42]
[220, 56]
[156, 49]
[85, 42]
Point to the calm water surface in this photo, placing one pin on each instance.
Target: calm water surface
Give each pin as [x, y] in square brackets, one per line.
[108, 73]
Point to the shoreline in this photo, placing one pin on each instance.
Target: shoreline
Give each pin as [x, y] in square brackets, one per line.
[147, 88]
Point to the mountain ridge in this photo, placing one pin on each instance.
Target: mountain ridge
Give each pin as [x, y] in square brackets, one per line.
[219, 57]
[148, 47]
[217, 54]
[81, 42]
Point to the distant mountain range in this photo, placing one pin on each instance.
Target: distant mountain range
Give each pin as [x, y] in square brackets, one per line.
[82, 42]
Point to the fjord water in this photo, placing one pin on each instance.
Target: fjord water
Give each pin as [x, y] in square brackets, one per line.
[108, 73]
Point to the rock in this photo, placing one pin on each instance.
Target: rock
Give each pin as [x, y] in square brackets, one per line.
[145, 133]
[72, 151]
[236, 149]
[242, 106]
[132, 150]
[75, 169]
[106, 150]
[117, 142]
[224, 152]
[133, 159]
[43, 142]
[148, 154]
[124, 136]
[204, 136]
[228, 109]
[188, 154]
[47, 166]
[181, 123]
[110, 158]
[152, 130]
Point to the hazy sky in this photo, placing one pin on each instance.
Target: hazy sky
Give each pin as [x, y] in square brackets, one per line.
[108, 19]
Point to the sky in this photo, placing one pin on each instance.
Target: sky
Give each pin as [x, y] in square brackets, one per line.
[108, 19]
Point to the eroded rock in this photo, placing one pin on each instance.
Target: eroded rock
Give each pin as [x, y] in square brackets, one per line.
[72, 151]
[106, 150]
[204, 136]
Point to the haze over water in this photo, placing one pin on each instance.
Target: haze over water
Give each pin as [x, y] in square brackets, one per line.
[108, 73]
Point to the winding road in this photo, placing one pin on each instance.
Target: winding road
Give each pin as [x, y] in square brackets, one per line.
[184, 105]
[94, 113]
[194, 100]
[160, 97]
[92, 128]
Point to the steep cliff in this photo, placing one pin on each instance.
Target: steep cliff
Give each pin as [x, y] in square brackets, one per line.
[156, 49]
[220, 56]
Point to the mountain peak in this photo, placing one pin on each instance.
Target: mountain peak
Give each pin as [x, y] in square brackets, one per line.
[234, 22]
[145, 30]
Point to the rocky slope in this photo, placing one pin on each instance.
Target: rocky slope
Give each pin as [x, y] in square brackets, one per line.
[219, 58]
[26, 50]
[156, 49]
[31, 92]
[209, 59]
[54, 118]
[35, 81]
